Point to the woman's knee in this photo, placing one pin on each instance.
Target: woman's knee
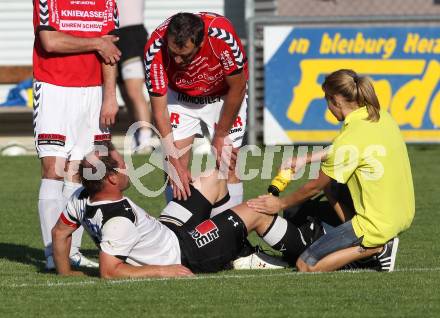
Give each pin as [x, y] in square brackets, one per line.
[302, 266]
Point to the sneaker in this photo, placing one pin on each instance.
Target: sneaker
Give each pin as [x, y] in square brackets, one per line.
[50, 264]
[387, 258]
[259, 260]
[79, 260]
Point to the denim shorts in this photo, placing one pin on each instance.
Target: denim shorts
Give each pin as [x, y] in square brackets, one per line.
[335, 239]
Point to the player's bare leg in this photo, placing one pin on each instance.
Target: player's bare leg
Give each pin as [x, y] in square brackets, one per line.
[235, 186]
[338, 259]
[132, 92]
[184, 160]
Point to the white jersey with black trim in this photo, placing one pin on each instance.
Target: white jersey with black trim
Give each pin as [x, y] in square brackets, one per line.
[123, 229]
[131, 12]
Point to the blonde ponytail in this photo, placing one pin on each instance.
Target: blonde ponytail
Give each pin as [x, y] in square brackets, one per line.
[353, 88]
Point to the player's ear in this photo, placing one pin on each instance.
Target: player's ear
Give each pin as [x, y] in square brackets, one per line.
[112, 178]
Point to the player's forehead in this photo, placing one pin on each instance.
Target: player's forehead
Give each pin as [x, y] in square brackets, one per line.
[176, 49]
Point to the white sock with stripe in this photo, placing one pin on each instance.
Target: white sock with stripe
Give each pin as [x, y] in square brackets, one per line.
[50, 205]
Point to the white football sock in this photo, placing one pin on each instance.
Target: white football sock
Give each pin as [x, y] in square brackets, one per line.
[235, 198]
[222, 205]
[68, 190]
[236, 192]
[145, 135]
[50, 205]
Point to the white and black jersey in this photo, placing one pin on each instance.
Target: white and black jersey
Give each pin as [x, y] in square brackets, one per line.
[185, 235]
[123, 229]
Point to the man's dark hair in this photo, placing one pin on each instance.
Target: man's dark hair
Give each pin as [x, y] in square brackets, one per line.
[186, 26]
[90, 162]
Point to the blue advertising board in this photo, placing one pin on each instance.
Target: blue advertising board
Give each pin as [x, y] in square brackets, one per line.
[403, 63]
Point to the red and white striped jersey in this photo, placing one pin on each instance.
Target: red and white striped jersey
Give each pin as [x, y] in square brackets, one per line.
[82, 18]
[221, 54]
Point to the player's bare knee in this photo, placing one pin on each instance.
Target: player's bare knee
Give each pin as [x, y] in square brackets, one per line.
[53, 168]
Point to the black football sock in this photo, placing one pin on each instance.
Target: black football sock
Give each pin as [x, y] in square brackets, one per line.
[286, 238]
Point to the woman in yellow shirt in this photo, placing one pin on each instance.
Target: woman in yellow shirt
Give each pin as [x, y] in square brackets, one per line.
[370, 156]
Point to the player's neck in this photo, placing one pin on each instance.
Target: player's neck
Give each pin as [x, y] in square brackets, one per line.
[107, 195]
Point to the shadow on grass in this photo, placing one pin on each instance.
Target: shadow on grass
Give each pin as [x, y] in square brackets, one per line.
[33, 256]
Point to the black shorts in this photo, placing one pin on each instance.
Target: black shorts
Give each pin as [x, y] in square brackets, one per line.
[207, 245]
[132, 40]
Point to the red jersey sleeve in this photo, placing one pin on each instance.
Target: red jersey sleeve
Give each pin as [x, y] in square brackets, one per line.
[111, 20]
[44, 17]
[226, 45]
[156, 78]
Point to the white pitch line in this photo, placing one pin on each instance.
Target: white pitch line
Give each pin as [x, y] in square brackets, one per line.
[200, 277]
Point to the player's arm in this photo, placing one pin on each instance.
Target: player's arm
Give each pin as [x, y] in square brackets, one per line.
[111, 267]
[61, 242]
[269, 204]
[59, 42]
[110, 106]
[232, 103]
[162, 120]
[296, 163]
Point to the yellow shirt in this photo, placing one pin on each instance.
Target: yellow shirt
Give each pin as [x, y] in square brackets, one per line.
[371, 158]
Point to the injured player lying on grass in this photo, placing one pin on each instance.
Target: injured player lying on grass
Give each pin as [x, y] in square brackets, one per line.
[182, 241]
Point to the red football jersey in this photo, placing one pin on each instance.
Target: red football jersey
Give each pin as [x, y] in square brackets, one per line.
[220, 55]
[82, 18]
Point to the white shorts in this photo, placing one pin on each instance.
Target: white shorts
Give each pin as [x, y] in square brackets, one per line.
[66, 120]
[187, 113]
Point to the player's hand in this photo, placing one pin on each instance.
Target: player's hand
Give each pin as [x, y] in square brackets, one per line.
[108, 50]
[267, 204]
[109, 110]
[226, 155]
[175, 271]
[180, 178]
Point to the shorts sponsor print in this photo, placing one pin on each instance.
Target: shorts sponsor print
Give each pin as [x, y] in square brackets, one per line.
[51, 139]
[205, 233]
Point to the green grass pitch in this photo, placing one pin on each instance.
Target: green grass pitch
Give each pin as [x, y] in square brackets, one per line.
[413, 290]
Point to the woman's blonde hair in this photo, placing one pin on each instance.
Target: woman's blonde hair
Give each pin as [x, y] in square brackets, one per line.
[353, 88]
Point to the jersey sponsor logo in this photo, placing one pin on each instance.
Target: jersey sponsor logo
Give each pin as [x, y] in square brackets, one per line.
[199, 100]
[82, 14]
[205, 233]
[174, 119]
[85, 3]
[182, 79]
[226, 59]
[51, 139]
[75, 25]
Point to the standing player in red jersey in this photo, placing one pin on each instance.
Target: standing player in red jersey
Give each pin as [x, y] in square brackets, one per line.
[74, 62]
[196, 70]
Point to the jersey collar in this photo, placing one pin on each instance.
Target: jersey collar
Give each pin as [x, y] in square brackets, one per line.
[360, 113]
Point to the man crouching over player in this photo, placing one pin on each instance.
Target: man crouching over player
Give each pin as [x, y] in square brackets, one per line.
[182, 241]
